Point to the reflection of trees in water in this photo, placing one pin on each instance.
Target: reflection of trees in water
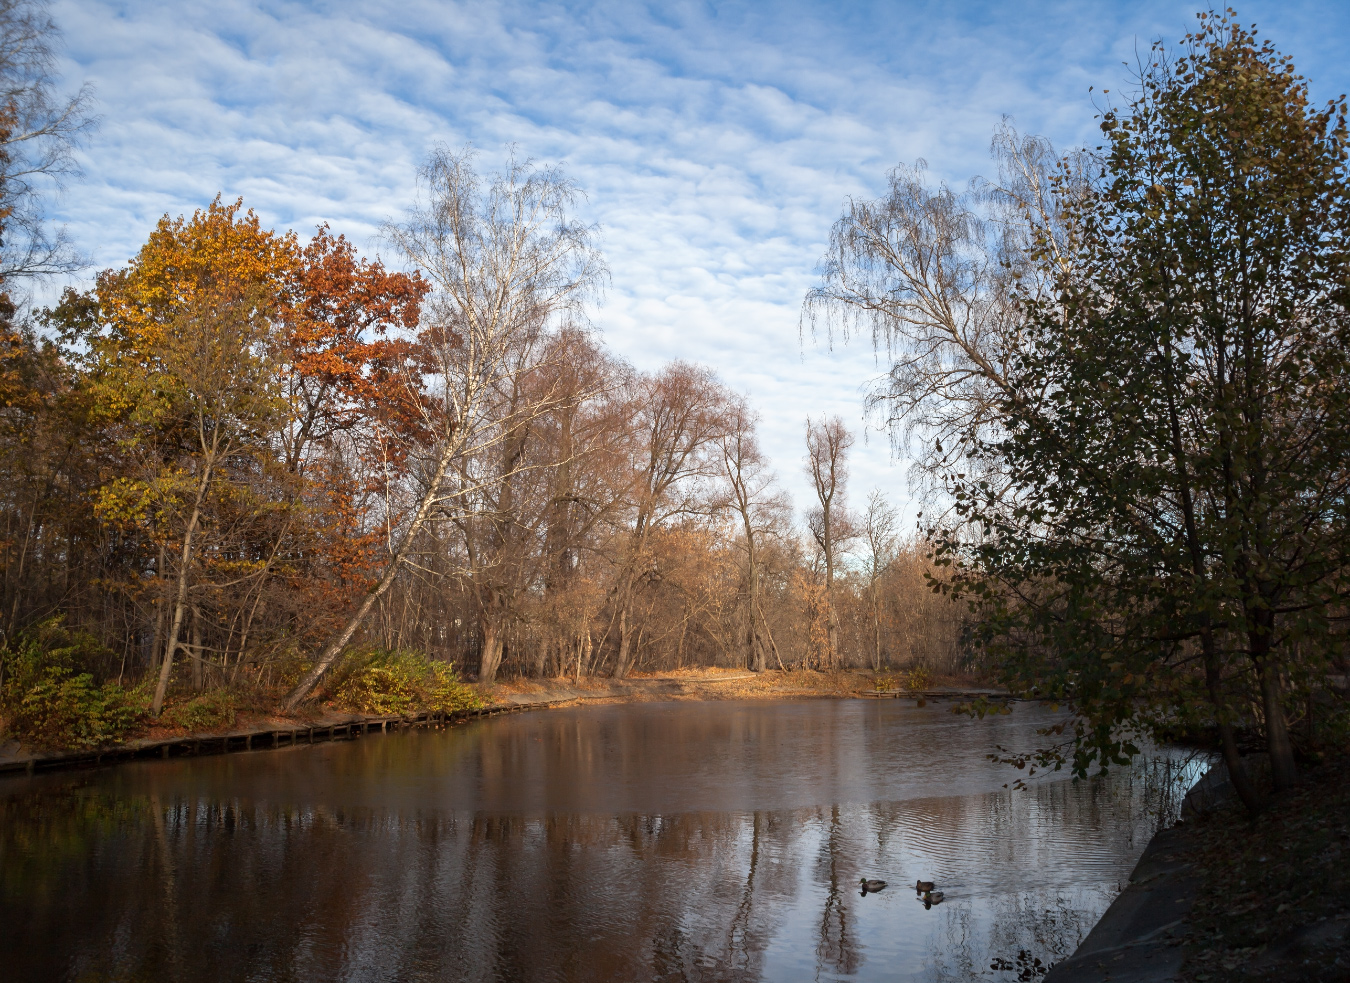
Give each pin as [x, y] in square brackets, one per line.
[231, 891]
[836, 948]
[1028, 932]
[229, 888]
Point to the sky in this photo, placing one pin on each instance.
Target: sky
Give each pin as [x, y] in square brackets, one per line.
[716, 143]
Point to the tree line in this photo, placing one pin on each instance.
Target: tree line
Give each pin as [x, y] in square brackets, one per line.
[247, 454]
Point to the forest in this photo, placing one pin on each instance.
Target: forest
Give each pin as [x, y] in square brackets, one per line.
[248, 454]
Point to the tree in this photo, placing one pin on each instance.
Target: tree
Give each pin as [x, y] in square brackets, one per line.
[929, 274]
[681, 416]
[506, 262]
[879, 537]
[756, 506]
[188, 367]
[39, 131]
[827, 446]
[1167, 538]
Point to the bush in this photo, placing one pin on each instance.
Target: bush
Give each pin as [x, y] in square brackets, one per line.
[49, 698]
[918, 678]
[217, 708]
[399, 682]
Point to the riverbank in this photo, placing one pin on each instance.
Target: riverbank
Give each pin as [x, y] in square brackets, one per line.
[1222, 896]
[259, 729]
[725, 684]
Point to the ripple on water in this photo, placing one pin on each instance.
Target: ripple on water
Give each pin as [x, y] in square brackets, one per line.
[680, 841]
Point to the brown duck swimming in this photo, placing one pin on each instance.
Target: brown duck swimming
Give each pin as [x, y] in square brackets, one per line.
[871, 887]
[921, 886]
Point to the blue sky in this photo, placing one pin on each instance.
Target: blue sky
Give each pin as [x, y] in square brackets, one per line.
[717, 142]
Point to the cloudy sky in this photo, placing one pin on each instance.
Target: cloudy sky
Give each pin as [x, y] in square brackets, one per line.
[716, 142]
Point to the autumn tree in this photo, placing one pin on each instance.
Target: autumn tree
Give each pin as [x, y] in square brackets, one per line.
[681, 415]
[188, 367]
[878, 534]
[757, 508]
[505, 261]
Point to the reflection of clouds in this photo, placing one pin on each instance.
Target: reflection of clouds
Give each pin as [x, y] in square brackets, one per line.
[272, 867]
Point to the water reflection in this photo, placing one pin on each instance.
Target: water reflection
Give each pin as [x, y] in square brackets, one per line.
[652, 842]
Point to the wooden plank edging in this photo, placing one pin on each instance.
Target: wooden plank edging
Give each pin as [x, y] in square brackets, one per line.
[267, 738]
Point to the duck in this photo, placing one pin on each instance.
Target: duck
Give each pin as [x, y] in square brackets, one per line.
[871, 887]
[921, 886]
[931, 898]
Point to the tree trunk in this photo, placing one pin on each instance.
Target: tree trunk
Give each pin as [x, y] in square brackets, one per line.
[621, 663]
[180, 600]
[490, 657]
[876, 633]
[1283, 771]
[1237, 772]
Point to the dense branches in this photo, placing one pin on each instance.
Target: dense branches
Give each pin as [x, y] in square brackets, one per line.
[1143, 401]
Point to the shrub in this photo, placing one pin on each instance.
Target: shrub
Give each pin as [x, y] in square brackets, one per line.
[918, 678]
[216, 708]
[401, 681]
[51, 700]
[65, 709]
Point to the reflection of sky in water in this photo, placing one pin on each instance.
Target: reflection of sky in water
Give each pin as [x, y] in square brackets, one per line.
[661, 841]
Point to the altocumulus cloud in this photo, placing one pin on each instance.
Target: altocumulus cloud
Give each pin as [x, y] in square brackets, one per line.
[716, 142]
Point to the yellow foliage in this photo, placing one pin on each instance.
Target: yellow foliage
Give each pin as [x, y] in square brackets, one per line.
[186, 266]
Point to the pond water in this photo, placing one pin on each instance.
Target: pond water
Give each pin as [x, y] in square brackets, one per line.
[658, 841]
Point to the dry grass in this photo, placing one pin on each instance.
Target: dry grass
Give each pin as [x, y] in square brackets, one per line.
[699, 683]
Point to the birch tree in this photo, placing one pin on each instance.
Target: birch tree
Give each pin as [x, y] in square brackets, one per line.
[505, 259]
[827, 447]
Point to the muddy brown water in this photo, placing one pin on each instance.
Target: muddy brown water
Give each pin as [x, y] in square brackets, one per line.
[679, 841]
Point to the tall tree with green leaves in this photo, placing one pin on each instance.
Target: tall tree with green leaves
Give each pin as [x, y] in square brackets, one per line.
[1177, 419]
[1151, 500]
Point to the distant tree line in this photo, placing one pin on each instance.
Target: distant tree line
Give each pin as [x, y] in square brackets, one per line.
[248, 454]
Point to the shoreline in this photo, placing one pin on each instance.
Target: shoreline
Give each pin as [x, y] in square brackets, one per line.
[1166, 925]
[275, 731]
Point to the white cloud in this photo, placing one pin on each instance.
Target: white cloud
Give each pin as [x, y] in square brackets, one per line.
[716, 143]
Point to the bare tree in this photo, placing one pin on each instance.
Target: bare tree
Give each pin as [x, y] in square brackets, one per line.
[682, 416]
[882, 543]
[506, 261]
[39, 131]
[929, 272]
[756, 505]
[827, 446]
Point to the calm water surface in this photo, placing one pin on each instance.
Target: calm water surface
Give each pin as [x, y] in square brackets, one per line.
[679, 841]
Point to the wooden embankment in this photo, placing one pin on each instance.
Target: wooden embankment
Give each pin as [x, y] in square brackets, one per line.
[253, 739]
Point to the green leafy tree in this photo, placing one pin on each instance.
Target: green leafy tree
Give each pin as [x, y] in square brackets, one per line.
[1175, 420]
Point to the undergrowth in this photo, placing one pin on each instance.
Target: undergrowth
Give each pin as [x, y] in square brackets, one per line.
[398, 682]
[51, 699]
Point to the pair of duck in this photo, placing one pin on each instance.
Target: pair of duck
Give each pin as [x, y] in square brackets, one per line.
[923, 888]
